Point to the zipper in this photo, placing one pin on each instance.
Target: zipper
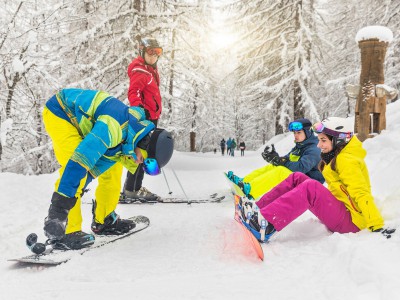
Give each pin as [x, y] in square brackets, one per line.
[348, 197]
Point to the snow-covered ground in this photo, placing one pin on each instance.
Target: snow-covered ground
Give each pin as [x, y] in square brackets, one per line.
[198, 251]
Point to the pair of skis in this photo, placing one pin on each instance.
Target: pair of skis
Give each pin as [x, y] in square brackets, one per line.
[213, 198]
[251, 239]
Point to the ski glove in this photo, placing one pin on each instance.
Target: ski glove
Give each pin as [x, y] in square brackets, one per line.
[386, 232]
[273, 158]
[56, 221]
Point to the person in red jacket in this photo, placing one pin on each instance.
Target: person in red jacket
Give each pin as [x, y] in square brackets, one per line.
[144, 92]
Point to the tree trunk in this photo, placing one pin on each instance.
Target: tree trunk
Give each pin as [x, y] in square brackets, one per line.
[1, 146]
[192, 141]
[298, 108]
[278, 127]
[193, 129]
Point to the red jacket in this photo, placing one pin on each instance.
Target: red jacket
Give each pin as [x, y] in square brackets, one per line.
[144, 87]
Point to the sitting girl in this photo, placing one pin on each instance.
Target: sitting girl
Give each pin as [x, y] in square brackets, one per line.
[345, 206]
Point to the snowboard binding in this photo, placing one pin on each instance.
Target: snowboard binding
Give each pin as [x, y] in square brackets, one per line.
[34, 246]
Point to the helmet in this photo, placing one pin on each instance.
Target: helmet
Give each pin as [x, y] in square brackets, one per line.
[148, 42]
[301, 124]
[161, 146]
[339, 129]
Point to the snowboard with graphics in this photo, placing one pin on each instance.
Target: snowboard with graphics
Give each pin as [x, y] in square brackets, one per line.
[53, 257]
[237, 194]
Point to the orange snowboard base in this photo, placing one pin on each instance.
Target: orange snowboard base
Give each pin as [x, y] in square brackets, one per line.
[249, 236]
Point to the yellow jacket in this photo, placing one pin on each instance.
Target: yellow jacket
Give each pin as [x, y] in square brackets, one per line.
[350, 184]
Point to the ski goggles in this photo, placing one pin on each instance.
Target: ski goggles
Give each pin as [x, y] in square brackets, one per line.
[150, 166]
[154, 51]
[295, 126]
[320, 128]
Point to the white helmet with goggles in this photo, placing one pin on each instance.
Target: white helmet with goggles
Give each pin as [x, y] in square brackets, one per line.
[340, 129]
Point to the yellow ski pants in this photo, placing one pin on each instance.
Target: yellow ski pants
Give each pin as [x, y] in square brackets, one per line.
[66, 139]
[264, 179]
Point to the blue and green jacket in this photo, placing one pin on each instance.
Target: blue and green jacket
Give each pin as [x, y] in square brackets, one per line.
[110, 131]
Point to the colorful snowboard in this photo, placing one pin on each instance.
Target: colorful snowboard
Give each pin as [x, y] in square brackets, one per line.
[237, 194]
[55, 257]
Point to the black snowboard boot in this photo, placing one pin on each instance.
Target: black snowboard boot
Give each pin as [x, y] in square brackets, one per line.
[113, 225]
[74, 241]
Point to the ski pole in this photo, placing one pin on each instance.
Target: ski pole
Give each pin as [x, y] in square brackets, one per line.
[177, 179]
[166, 181]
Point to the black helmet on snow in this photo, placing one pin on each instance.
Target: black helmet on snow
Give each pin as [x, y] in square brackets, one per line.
[161, 146]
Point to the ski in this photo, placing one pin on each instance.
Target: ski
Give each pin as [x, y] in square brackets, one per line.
[251, 239]
[214, 198]
[52, 257]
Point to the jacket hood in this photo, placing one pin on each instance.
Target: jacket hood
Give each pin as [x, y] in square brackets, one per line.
[354, 147]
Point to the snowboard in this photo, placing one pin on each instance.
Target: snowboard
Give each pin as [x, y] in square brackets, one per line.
[251, 239]
[214, 198]
[52, 257]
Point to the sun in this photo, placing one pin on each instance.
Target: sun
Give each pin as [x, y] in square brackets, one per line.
[223, 39]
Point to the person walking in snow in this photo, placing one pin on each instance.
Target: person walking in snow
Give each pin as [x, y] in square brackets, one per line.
[242, 147]
[222, 144]
[345, 206]
[304, 157]
[233, 147]
[94, 135]
[144, 92]
[228, 146]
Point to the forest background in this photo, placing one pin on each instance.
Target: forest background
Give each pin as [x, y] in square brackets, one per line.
[231, 68]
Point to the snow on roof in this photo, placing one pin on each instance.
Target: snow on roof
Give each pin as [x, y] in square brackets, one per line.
[381, 33]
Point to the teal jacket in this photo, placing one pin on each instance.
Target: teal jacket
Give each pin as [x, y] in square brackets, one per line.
[110, 131]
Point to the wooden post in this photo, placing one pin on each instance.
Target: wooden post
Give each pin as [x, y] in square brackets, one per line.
[370, 111]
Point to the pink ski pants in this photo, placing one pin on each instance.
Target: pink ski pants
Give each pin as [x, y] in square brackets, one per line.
[293, 196]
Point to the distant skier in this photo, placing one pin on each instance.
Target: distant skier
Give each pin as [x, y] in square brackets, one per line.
[94, 135]
[345, 206]
[304, 157]
[228, 146]
[233, 147]
[144, 92]
[242, 147]
[222, 144]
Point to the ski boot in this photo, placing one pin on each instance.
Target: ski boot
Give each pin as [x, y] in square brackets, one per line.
[230, 175]
[142, 195]
[234, 178]
[74, 241]
[113, 225]
[246, 188]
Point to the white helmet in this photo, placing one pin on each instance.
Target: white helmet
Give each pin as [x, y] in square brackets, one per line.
[340, 129]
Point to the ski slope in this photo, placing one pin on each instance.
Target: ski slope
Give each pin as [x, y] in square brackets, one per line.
[198, 251]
